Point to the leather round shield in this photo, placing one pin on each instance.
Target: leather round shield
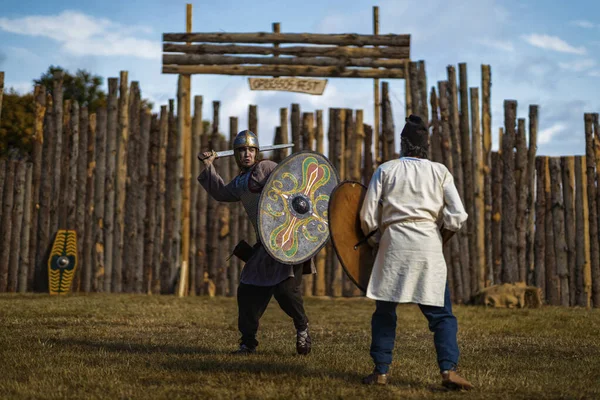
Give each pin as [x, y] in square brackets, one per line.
[293, 206]
[349, 242]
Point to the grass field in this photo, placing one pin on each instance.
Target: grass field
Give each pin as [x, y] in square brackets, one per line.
[140, 347]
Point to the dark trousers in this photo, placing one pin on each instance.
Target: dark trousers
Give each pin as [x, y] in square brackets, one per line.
[253, 301]
[441, 322]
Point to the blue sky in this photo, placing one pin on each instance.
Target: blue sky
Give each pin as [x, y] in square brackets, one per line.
[541, 52]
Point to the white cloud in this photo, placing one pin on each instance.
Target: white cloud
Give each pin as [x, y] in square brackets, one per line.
[552, 43]
[81, 34]
[583, 24]
[547, 134]
[496, 44]
[595, 73]
[578, 65]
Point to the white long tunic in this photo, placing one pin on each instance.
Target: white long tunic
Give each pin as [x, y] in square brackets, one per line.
[407, 200]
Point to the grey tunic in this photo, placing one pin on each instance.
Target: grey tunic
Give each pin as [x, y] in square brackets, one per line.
[261, 269]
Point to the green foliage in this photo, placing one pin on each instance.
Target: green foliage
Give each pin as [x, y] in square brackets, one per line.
[16, 125]
[82, 87]
[18, 111]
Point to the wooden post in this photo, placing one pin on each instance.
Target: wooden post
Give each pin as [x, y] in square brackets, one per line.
[99, 199]
[369, 157]
[109, 190]
[582, 259]
[358, 151]
[568, 186]
[285, 139]
[495, 274]
[211, 218]
[460, 292]
[320, 285]
[336, 151]
[423, 91]
[295, 121]
[253, 118]
[17, 224]
[478, 249]
[387, 123]
[486, 130]
[90, 226]
[467, 167]
[2, 178]
[509, 197]
[80, 213]
[185, 127]
[552, 287]
[120, 184]
[458, 175]
[57, 94]
[561, 277]
[224, 227]
[196, 137]
[141, 189]
[539, 273]
[593, 211]
[376, 99]
[166, 267]
[1, 91]
[533, 125]
[413, 72]
[596, 266]
[73, 158]
[521, 180]
[435, 141]
[151, 187]
[160, 267]
[7, 223]
[38, 280]
[130, 231]
[64, 207]
[235, 215]
[26, 257]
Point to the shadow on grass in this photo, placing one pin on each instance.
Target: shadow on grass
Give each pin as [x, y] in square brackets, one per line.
[123, 347]
[250, 365]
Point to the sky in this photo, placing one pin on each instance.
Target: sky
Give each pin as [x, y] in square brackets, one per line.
[541, 52]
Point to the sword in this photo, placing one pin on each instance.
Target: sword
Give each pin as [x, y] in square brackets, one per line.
[227, 153]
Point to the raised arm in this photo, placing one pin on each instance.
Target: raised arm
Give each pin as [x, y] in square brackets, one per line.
[212, 182]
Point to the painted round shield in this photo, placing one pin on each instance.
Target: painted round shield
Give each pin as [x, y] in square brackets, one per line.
[349, 242]
[292, 223]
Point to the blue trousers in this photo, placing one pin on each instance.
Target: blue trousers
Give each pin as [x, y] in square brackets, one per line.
[441, 322]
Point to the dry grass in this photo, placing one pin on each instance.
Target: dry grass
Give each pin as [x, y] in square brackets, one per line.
[122, 346]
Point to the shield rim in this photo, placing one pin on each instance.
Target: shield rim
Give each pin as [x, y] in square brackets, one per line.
[262, 194]
[346, 181]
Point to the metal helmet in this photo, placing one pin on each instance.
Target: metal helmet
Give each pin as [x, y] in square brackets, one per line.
[245, 138]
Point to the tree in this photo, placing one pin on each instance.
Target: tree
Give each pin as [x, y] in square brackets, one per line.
[83, 87]
[16, 126]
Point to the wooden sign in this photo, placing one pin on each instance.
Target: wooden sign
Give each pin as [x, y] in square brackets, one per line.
[300, 85]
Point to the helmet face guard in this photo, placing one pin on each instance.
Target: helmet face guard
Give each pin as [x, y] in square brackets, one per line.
[245, 138]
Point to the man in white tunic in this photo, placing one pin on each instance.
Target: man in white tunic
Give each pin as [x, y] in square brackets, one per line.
[406, 202]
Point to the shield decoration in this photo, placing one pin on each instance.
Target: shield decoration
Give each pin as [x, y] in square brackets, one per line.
[349, 242]
[292, 223]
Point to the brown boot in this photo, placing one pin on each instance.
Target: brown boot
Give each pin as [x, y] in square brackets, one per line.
[375, 379]
[453, 381]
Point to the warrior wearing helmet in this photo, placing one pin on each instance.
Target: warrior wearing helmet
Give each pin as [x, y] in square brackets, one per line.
[262, 276]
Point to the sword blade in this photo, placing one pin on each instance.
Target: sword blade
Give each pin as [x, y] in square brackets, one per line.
[227, 153]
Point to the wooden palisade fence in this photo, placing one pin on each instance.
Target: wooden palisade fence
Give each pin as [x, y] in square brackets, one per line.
[116, 176]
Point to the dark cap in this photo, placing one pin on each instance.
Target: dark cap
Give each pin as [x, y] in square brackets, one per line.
[415, 131]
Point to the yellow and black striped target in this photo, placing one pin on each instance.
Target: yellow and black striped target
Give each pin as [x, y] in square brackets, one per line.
[62, 262]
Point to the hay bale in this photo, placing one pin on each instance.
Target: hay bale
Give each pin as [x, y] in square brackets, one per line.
[509, 295]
